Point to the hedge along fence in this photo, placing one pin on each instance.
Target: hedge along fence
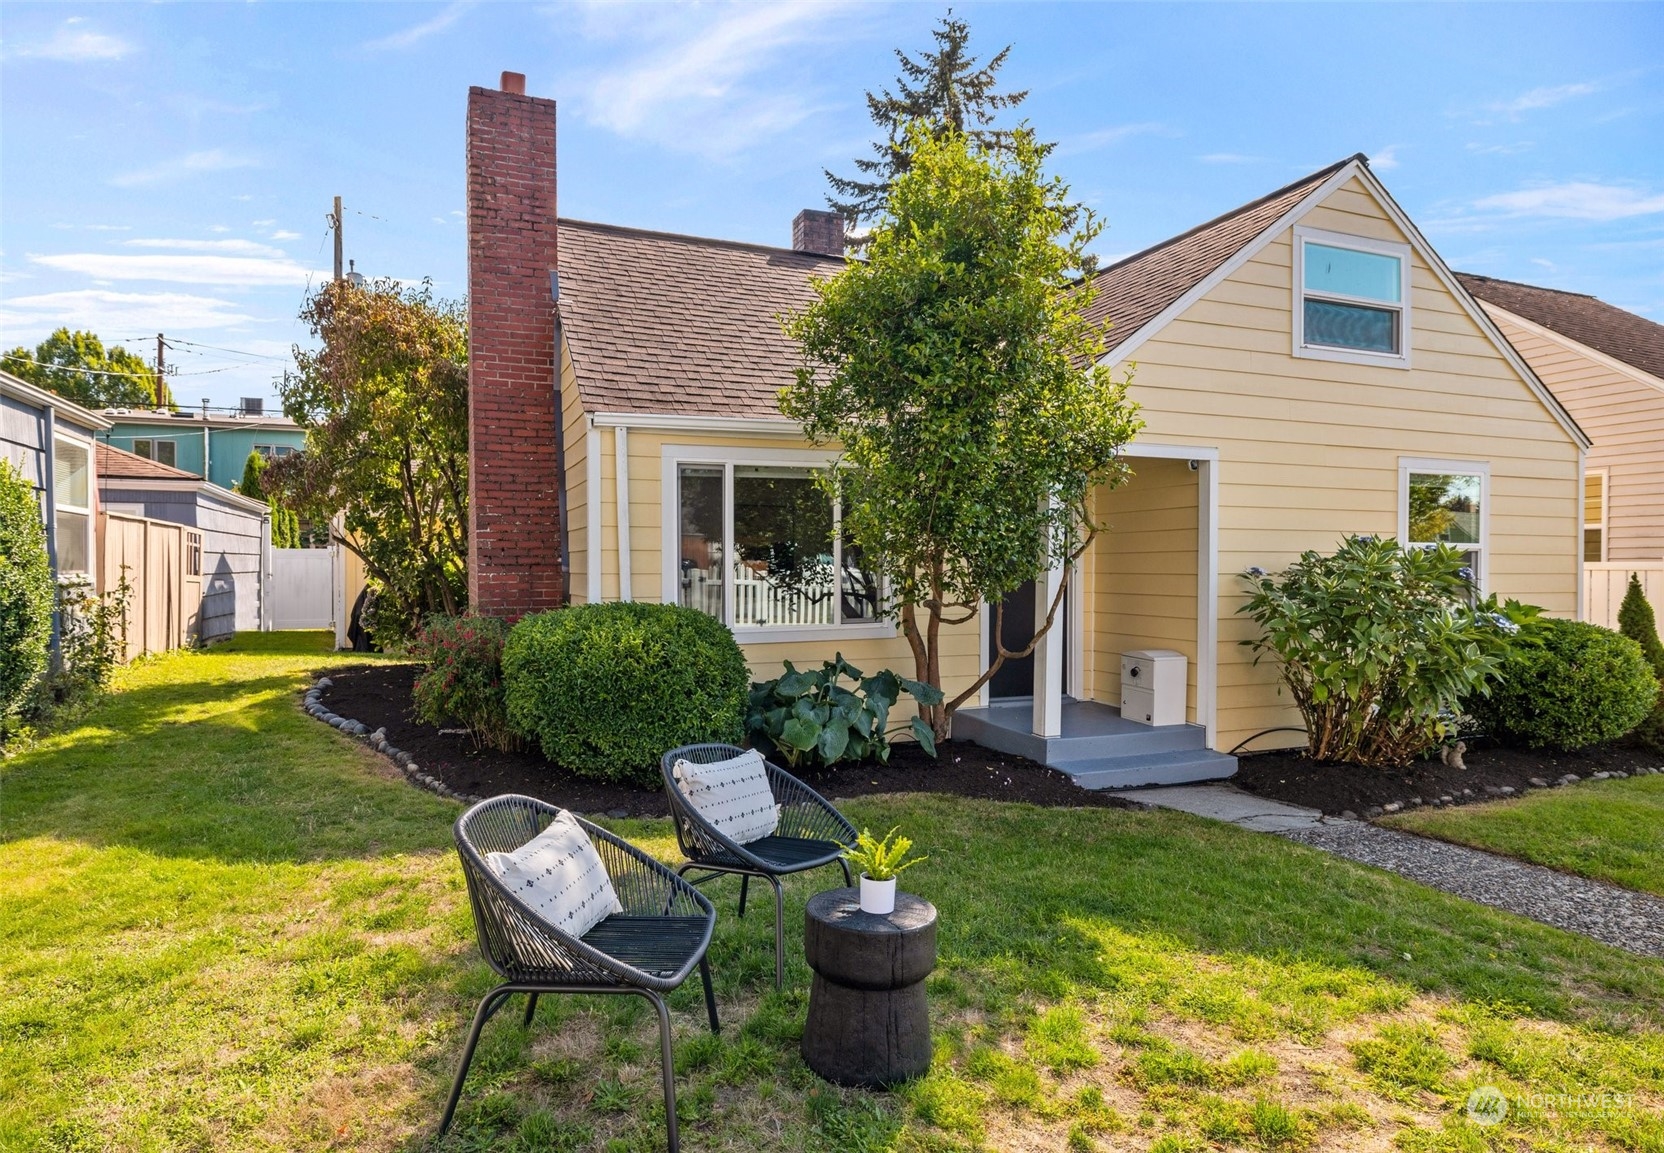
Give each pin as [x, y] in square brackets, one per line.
[26, 593]
[607, 689]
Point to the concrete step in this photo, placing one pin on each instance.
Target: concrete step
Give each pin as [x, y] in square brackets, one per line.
[1125, 739]
[1171, 767]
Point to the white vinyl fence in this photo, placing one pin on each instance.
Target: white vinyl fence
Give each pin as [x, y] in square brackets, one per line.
[1604, 586]
[303, 588]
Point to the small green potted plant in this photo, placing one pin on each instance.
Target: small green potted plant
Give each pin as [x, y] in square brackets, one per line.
[879, 862]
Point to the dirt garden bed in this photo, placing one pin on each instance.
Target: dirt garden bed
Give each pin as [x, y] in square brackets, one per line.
[1491, 772]
[379, 696]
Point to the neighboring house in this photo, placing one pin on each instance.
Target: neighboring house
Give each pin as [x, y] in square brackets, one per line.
[1307, 367]
[50, 442]
[223, 543]
[213, 446]
[1607, 367]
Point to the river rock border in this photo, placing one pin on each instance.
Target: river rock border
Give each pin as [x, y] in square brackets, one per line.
[314, 705]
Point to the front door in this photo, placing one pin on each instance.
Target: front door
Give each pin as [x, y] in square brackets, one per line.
[1015, 677]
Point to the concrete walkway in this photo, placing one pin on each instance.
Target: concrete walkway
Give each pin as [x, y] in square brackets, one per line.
[1607, 913]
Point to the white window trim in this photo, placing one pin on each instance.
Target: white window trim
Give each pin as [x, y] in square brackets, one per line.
[1480, 468]
[85, 510]
[1605, 476]
[1401, 359]
[725, 457]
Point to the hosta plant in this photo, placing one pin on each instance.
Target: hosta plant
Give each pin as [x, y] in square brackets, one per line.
[1379, 644]
[811, 719]
[881, 860]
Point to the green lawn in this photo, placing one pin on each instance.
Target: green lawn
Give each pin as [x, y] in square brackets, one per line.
[225, 926]
[1610, 830]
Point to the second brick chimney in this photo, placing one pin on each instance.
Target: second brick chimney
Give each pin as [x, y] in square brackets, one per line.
[817, 231]
[514, 555]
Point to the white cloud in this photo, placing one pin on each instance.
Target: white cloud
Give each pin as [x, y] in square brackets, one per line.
[416, 33]
[30, 318]
[218, 228]
[212, 160]
[1575, 200]
[1385, 159]
[242, 271]
[285, 234]
[1501, 149]
[263, 223]
[72, 45]
[1545, 263]
[692, 92]
[238, 247]
[1104, 137]
[1543, 98]
[1230, 158]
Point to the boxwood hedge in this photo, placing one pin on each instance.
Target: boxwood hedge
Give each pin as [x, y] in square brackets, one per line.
[1583, 685]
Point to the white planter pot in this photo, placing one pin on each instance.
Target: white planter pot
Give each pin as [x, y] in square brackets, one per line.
[878, 896]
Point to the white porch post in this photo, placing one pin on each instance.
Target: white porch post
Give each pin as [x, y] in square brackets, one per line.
[1048, 658]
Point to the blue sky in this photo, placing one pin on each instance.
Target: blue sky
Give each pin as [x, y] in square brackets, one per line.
[168, 167]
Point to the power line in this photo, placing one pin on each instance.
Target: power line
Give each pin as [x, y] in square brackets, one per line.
[112, 372]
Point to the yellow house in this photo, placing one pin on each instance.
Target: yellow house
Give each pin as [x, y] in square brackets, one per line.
[1302, 364]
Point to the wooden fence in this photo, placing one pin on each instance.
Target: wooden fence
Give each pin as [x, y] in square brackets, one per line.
[162, 563]
[1604, 585]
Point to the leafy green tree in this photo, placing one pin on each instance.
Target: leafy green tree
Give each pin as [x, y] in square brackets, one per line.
[26, 593]
[78, 367]
[945, 90]
[285, 523]
[1637, 622]
[959, 371]
[384, 401]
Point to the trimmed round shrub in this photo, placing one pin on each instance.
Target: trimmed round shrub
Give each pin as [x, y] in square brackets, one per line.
[608, 689]
[26, 593]
[1583, 685]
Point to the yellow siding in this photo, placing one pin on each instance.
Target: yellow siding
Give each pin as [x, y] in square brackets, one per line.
[1309, 449]
[1624, 417]
[1140, 576]
[574, 425]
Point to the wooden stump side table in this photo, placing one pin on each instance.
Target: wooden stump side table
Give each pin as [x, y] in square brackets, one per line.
[869, 1024]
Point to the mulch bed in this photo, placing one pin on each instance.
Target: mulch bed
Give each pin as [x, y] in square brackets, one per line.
[1492, 771]
[379, 696]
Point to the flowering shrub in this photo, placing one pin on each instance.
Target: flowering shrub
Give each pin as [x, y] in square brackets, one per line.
[1583, 685]
[1379, 645]
[463, 681]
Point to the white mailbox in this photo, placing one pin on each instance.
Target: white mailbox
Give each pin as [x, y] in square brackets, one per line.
[1152, 687]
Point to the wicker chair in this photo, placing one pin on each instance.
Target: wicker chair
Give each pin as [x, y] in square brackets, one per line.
[811, 833]
[647, 950]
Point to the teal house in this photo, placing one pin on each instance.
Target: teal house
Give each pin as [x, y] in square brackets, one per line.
[211, 445]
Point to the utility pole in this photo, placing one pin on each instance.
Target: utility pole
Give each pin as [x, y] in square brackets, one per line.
[161, 370]
[335, 226]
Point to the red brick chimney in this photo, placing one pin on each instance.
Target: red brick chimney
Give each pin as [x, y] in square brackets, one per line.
[817, 231]
[514, 554]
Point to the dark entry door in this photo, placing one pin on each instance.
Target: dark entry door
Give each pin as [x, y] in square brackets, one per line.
[1015, 678]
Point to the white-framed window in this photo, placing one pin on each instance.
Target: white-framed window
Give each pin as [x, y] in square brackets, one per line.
[1447, 502]
[72, 505]
[161, 451]
[1351, 298]
[274, 451]
[751, 538]
[1596, 483]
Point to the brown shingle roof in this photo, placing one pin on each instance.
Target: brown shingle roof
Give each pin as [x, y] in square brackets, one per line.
[119, 464]
[661, 323]
[676, 324]
[1134, 291]
[1635, 340]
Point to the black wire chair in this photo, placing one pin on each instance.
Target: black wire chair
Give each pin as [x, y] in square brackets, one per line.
[647, 950]
[811, 833]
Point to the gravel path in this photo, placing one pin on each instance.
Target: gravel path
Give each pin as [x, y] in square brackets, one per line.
[1613, 915]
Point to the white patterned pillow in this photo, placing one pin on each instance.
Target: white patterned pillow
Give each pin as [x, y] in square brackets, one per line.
[559, 874]
[733, 795]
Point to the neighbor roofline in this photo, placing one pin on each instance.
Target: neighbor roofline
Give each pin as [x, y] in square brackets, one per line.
[145, 416]
[1571, 344]
[183, 484]
[41, 398]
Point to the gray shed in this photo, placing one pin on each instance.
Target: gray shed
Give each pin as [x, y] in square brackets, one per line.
[235, 532]
[50, 439]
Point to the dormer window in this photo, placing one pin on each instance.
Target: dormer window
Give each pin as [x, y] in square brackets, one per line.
[1352, 298]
